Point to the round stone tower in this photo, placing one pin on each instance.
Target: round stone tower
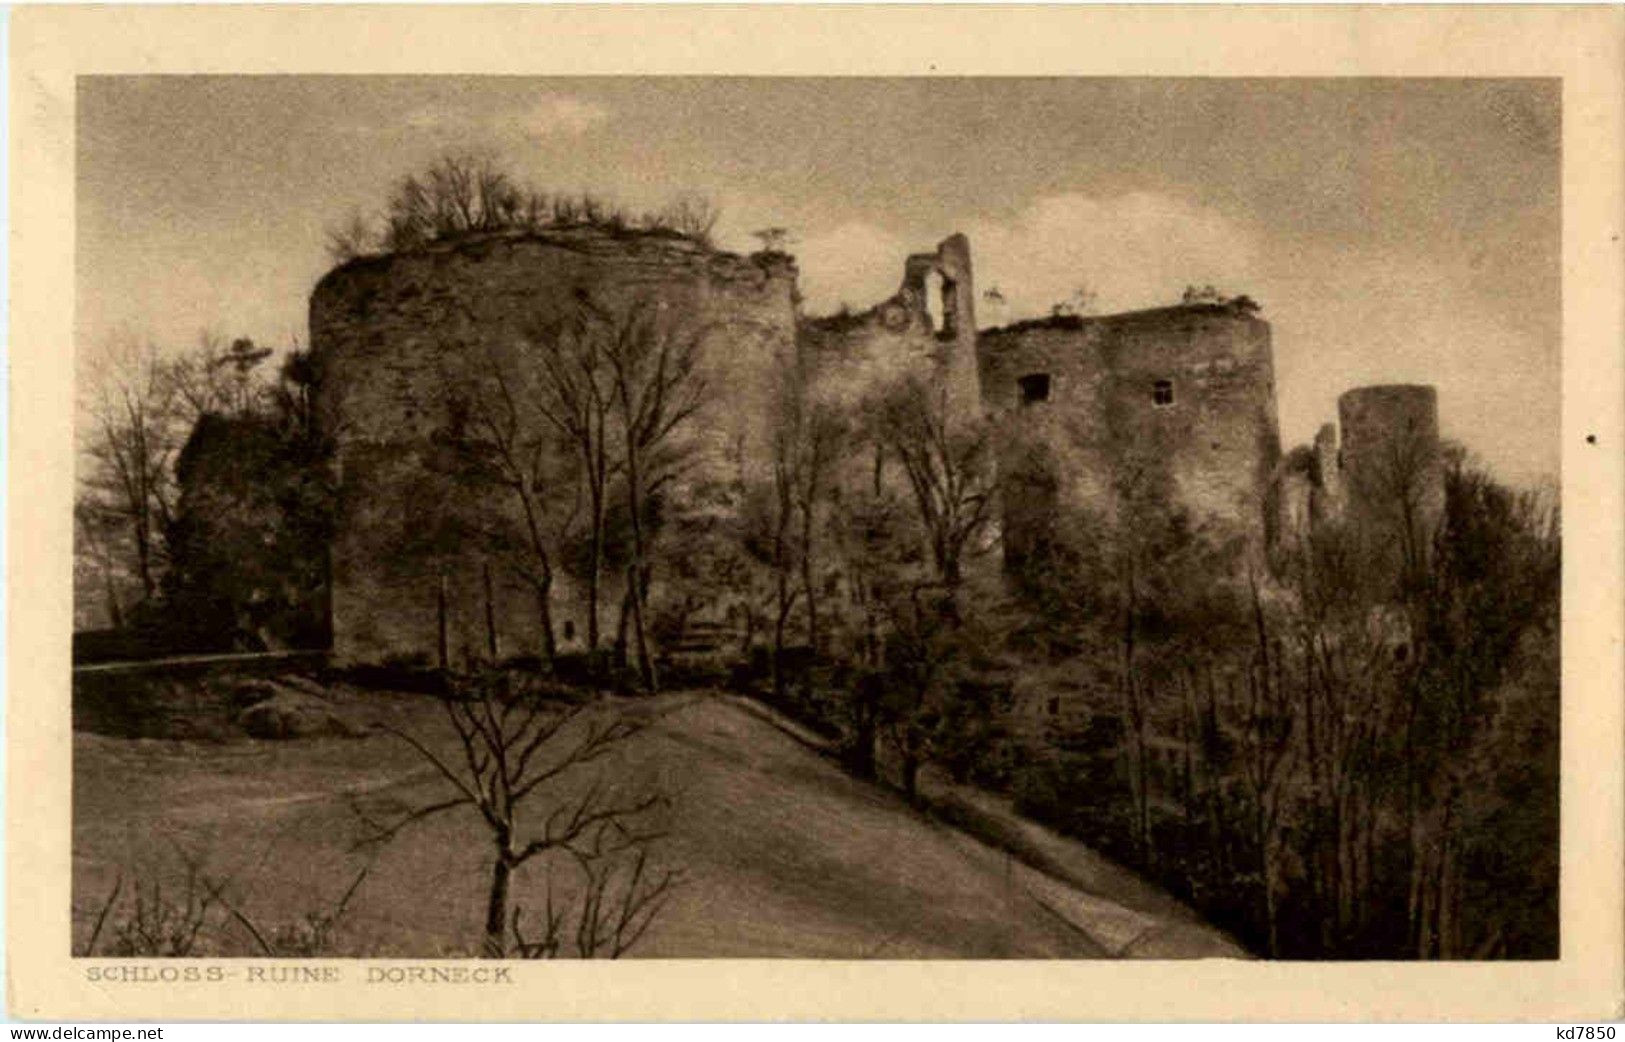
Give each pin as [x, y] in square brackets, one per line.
[396, 337]
[1392, 472]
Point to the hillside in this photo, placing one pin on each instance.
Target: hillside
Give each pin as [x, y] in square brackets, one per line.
[783, 855]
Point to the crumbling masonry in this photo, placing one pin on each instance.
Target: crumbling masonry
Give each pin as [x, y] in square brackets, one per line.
[1183, 396]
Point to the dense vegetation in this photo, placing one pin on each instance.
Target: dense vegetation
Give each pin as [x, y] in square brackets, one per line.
[463, 194]
[204, 504]
[1331, 760]
[1340, 751]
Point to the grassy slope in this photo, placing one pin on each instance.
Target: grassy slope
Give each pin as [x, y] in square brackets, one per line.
[784, 855]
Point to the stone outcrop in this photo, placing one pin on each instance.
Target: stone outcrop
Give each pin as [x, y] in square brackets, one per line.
[290, 713]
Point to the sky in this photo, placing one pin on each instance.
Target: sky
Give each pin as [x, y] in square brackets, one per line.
[1393, 230]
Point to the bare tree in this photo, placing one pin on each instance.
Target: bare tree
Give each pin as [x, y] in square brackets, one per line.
[822, 435]
[949, 468]
[134, 436]
[783, 549]
[1081, 301]
[1488, 599]
[807, 435]
[1267, 743]
[620, 898]
[1399, 485]
[165, 926]
[217, 378]
[97, 560]
[506, 438]
[458, 193]
[1201, 295]
[904, 544]
[692, 215]
[469, 192]
[518, 762]
[611, 391]
[656, 390]
[354, 238]
[160, 915]
[920, 653]
[573, 395]
[773, 240]
[293, 398]
[874, 547]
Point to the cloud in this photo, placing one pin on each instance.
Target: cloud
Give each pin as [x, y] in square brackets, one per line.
[855, 263]
[1130, 251]
[551, 115]
[1355, 318]
[561, 114]
[1342, 316]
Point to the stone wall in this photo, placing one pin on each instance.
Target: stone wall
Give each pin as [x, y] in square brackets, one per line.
[1085, 408]
[1384, 479]
[854, 354]
[1326, 499]
[393, 337]
[1392, 470]
[1185, 395]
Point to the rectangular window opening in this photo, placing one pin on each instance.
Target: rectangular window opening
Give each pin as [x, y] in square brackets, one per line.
[1034, 388]
[1162, 392]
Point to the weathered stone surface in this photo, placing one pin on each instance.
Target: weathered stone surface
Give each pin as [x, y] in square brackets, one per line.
[1385, 480]
[1392, 469]
[392, 336]
[1390, 447]
[247, 567]
[304, 684]
[855, 353]
[1181, 396]
[245, 693]
[1186, 392]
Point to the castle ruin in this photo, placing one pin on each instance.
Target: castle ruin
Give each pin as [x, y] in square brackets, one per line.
[1180, 396]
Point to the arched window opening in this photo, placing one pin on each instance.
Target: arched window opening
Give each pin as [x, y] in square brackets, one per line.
[933, 301]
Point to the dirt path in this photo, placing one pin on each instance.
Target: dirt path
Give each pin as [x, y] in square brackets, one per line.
[1122, 913]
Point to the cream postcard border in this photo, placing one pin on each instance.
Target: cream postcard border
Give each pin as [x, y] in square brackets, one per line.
[1583, 46]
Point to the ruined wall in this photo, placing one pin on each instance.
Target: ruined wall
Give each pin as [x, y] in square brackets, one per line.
[1183, 395]
[1385, 480]
[1326, 498]
[391, 334]
[922, 336]
[1309, 488]
[853, 354]
[1296, 499]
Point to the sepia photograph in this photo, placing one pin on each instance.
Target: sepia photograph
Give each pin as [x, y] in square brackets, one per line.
[936, 518]
[539, 518]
